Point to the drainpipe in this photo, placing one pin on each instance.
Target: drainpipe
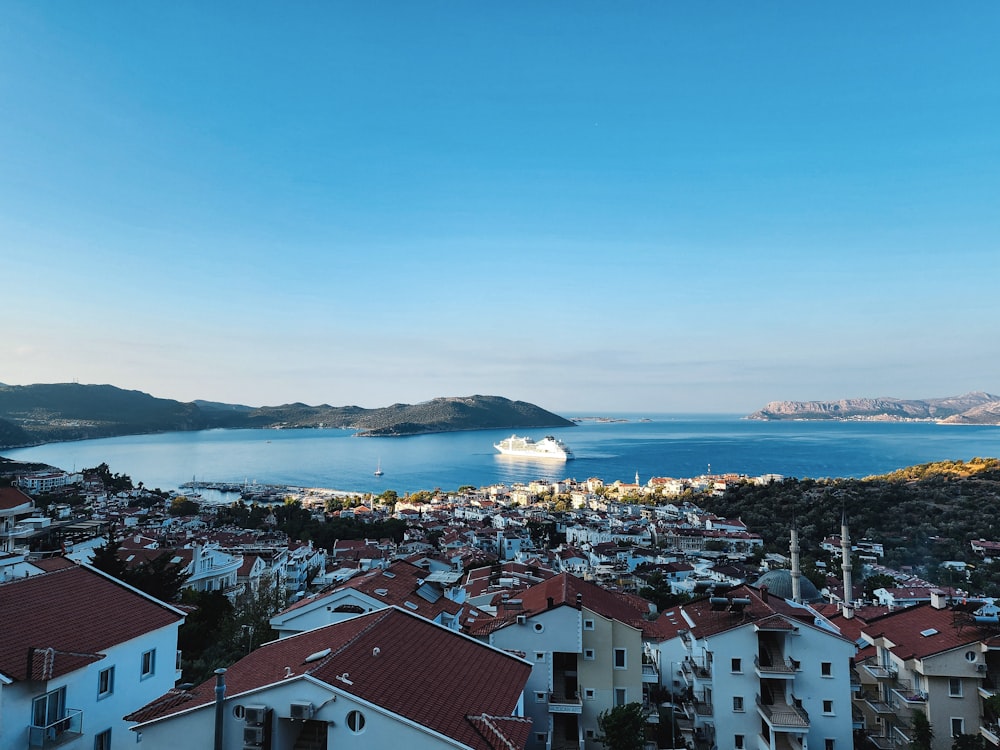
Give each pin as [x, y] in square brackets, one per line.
[220, 698]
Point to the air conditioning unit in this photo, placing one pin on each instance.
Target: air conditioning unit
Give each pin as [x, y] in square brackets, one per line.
[522, 619]
[980, 667]
[253, 736]
[300, 710]
[255, 714]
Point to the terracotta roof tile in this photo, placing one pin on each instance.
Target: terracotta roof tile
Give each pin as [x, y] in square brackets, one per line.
[392, 658]
[11, 498]
[65, 615]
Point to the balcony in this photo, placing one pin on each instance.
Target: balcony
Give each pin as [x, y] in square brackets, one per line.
[781, 668]
[58, 732]
[879, 671]
[907, 695]
[991, 733]
[649, 674]
[565, 704]
[783, 716]
[878, 706]
[702, 706]
[882, 743]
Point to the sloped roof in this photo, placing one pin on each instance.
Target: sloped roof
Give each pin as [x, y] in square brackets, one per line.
[564, 589]
[11, 499]
[923, 630]
[391, 658]
[64, 619]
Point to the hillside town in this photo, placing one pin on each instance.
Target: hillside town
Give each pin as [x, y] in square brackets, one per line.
[537, 616]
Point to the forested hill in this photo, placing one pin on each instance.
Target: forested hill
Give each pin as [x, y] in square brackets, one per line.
[34, 414]
[923, 515]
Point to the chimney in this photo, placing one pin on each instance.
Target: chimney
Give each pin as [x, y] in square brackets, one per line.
[846, 567]
[796, 572]
[763, 593]
[939, 600]
[220, 700]
[551, 602]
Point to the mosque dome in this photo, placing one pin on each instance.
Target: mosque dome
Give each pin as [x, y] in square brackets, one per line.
[779, 583]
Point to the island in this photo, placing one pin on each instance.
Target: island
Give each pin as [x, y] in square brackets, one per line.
[47, 413]
[977, 407]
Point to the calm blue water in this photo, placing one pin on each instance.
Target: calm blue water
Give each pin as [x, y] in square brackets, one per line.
[676, 446]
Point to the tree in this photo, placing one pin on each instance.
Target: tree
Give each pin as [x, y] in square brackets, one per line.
[160, 578]
[923, 733]
[622, 727]
[181, 506]
[968, 742]
[106, 557]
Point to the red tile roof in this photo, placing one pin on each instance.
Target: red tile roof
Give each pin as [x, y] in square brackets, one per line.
[70, 616]
[11, 498]
[907, 627]
[391, 658]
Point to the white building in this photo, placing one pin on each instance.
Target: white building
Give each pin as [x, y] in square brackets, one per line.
[388, 679]
[79, 651]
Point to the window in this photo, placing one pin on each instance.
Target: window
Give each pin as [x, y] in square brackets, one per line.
[828, 707]
[49, 709]
[148, 663]
[356, 721]
[621, 660]
[539, 697]
[738, 703]
[105, 682]
[539, 656]
[738, 742]
[588, 694]
[588, 654]
[621, 696]
[588, 624]
[970, 656]
[102, 741]
[955, 687]
[829, 743]
[540, 738]
[737, 665]
[957, 727]
[589, 734]
[826, 669]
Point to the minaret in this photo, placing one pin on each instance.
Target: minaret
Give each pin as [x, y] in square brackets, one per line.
[845, 565]
[796, 572]
[637, 479]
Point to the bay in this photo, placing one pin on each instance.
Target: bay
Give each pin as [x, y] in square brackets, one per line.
[665, 445]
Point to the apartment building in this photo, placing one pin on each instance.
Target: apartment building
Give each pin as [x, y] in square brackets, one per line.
[79, 651]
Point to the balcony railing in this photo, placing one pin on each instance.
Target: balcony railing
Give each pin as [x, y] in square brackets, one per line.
[783, 715]
[877, 705]
[565, 704]
[62, 730]
[907, 695]
[879, 671]
[880, 742]
[781, 668]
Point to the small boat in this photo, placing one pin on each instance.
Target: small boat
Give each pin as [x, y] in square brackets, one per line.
[378, 469]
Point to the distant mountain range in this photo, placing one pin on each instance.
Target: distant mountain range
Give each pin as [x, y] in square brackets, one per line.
[35, 414]
[972, 408]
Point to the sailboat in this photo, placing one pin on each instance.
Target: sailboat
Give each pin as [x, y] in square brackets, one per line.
[378, 469]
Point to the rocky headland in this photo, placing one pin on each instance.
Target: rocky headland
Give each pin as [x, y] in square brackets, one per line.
[971, 408]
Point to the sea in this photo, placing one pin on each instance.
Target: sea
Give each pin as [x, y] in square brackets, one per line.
[610, 447]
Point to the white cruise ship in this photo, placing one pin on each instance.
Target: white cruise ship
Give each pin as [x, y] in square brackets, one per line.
[547, 447]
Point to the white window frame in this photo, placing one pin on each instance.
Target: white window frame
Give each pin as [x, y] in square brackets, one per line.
[147, 664]
[102, 740]
[739, 742]
[826, 669]
[624, 659]
[589, 694]
[827, 711]
[955, 687]
[961, 725]
[621, 696]
[109, 675]
[588, 624]
[736, 665]
[589, 654]
[739, 705]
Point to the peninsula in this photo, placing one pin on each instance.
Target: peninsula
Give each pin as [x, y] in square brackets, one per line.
[977, 407]
[47, 413]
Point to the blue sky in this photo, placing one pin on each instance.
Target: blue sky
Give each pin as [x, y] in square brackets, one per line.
[641, 206]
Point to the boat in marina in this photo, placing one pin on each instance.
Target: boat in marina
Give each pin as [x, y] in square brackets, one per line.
[526, 447]
[378, 469]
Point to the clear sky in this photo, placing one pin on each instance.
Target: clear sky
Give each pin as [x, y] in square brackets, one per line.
[617, 206]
